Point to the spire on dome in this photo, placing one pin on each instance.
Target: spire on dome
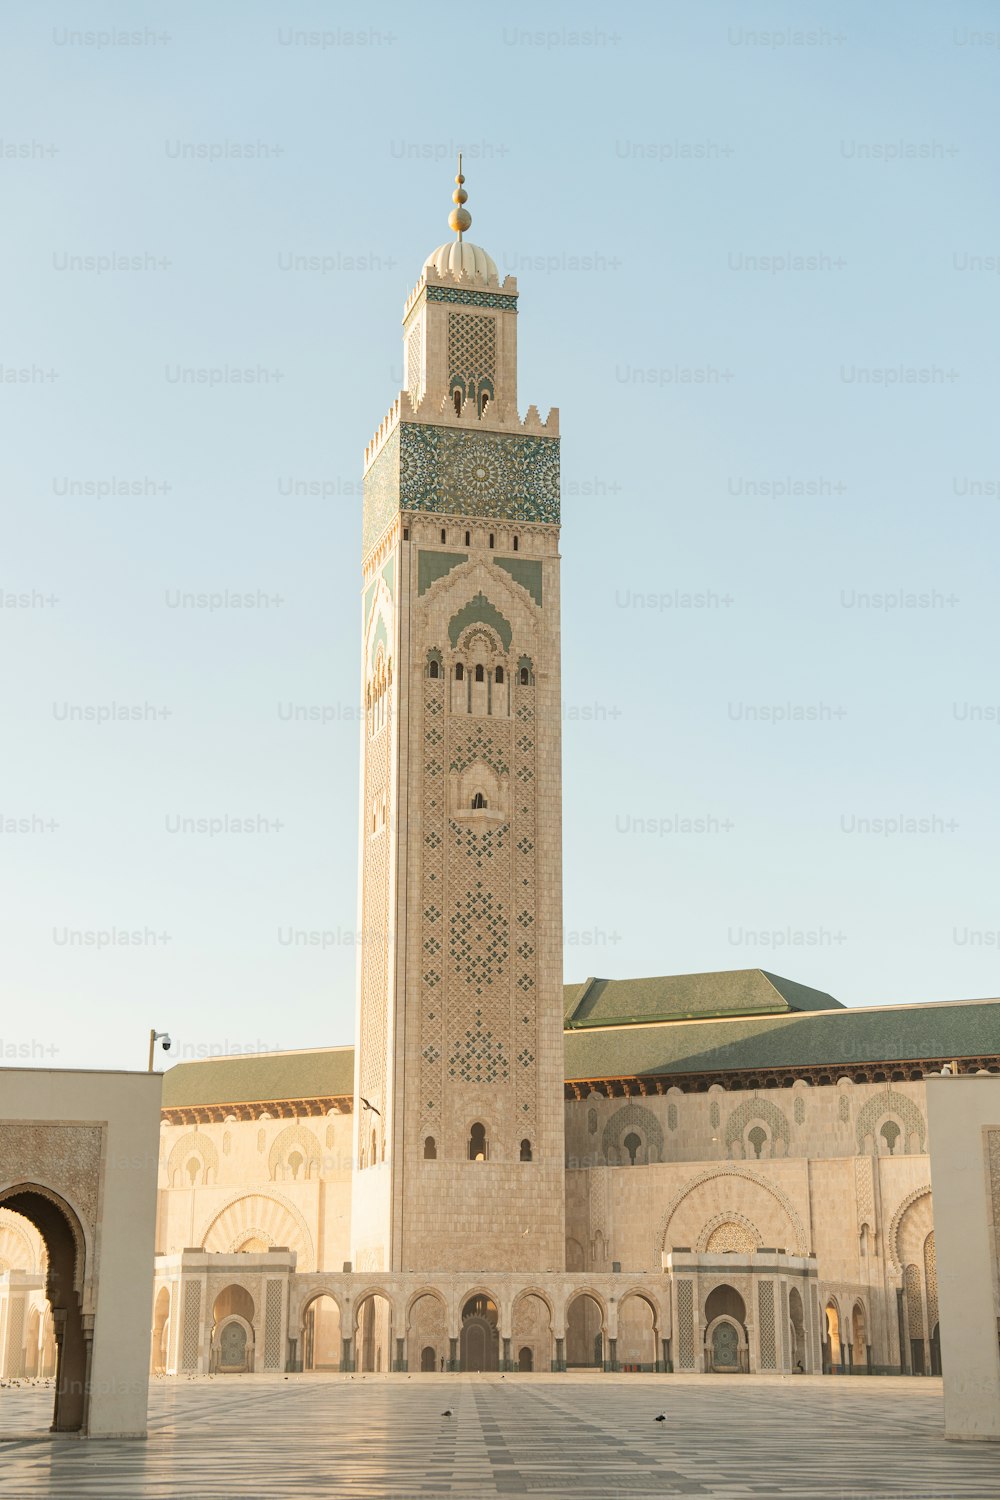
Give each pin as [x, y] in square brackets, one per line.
[459, 219]
[459, 257]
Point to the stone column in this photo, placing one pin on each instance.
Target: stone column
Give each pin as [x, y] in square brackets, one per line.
[400, 1356]
[453, 1354]
[560, 1354]
[347, 1357]
[505, 1363]
[613, 1354]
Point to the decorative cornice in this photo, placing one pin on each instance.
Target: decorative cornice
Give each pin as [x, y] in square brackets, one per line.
[909, 1070]
[279, 1109]
[469, 297]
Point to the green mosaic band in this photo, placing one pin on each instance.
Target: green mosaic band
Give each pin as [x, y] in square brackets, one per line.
[506, 476]
[466, 297]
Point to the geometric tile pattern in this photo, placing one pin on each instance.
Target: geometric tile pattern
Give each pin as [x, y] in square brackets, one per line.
[375, 926]
[525, 886]
[472, 356]
[765, 1330]
[685, 1324]
[432, 1007]
[914, 1304]
[478, 942]
[479, 1057]
[629, 1118]
[589, 1436]
[478, 743]
[891, 1102]
[191, 1326]
[272, 1326]
[784, 1326]
[413, 363]
[466, 297]
[756, 1109]
[534, 1435]
[733, 1236]
[509, 476]
[930, 1281]
[381, 492]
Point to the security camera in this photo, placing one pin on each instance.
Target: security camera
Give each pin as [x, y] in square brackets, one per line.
[166, 1044]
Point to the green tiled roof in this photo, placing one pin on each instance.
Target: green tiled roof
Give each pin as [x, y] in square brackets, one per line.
[668, 997]
[320, 1073]
[832, 1039]
[623, 1029]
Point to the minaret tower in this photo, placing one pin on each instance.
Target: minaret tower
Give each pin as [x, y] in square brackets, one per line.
[459, 1152]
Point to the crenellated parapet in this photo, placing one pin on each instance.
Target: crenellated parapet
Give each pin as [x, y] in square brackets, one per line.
[441, 413]
[462, 289]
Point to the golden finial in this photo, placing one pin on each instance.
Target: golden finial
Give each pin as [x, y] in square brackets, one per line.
[459, 219]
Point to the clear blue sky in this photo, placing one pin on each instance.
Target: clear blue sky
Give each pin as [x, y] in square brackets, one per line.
[634, 166]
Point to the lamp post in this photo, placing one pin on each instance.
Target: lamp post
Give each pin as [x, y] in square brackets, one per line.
[154, 1037]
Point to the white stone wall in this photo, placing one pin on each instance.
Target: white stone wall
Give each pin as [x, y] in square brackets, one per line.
[256, 1183]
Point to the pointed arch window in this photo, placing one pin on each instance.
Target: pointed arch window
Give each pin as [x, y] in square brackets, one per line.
[525, 1150]
[430, 1149]
[477, 1142]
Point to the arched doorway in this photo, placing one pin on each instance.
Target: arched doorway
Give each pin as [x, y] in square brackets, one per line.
[531, 1330]
[636, 1347]
[427, 1329]
[373, 1334]
[584, 1333]
[525, 1360]
[834, 1349]
[725, 1332]
[859, 1338]
[232, 1332]
[321, 1336]
[62, 1234]
[797, 1329]
[480, 1348]
[161, 1331]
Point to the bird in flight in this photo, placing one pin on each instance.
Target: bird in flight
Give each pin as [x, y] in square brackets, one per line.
[374, 1111]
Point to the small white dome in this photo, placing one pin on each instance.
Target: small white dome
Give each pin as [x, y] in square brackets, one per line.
[460, 258]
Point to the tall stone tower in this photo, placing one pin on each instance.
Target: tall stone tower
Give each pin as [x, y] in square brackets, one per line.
[459, 1075]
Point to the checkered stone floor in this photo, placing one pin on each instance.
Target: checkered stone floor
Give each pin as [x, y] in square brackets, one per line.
[591, 1437]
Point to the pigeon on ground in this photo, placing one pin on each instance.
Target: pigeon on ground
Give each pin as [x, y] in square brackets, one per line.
[446, 1413]
[660, 1418]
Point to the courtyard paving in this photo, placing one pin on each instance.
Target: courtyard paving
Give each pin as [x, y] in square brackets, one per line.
[588, 1436]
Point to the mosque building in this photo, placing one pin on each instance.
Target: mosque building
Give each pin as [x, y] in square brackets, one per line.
[703, 1173]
